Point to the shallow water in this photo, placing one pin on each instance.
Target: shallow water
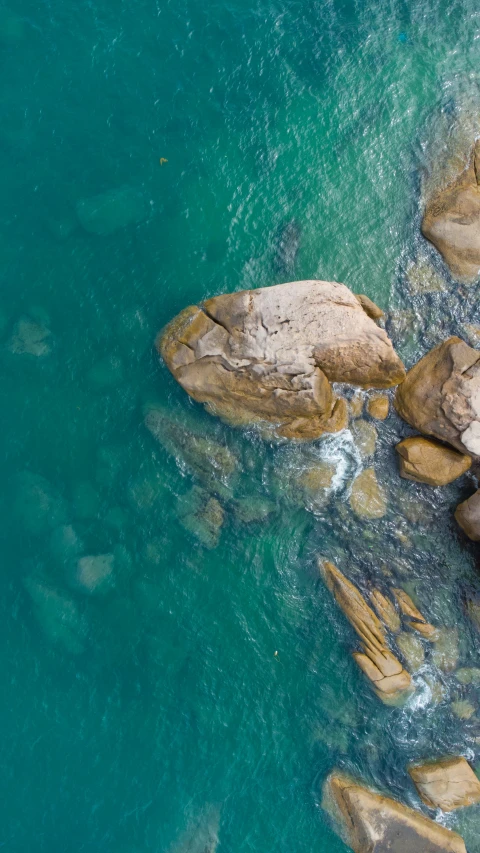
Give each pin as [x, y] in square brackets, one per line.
[210, 683]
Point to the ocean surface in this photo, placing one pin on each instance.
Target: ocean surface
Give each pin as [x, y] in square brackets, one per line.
[205, 688]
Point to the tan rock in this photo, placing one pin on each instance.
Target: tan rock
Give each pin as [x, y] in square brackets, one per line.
[386, 611]
[319, 477]
[467, 515]
[391, 682]
[377, 407]
[447, 784]
[364, 436]
[367, 498]
[411, 649]
[425, 461]
[452, 222]
[355, 405]
[270, 355]
[418, 622]
[441, 395]
[371, 823]
[372, 310]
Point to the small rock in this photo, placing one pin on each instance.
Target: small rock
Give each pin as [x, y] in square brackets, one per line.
[94, 574]
[30, 338]
[467, 515]
[468, 675]
[364, 436]
[355, 405]
[463, 709]
[65, 545]
[111, 211]
[412, 650]
[377, 407]
[367, 498]
[446, 652]
[447, 784]
[37, 504]
[426, 461]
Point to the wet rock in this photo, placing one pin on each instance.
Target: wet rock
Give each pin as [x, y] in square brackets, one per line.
[447, 784]
[411, 649]
[94, 574]
[37, 504]
[270, 354]
[452, 222]
[416, 619]
[211, 462]
[467, 515]
[472, 333]
[377, 407]
[391, 682]
[371, 823]
[425, 461]
[364, 436]
[446, 651]
[367, 498]
[386, 611]
[202, 515]
[30, 338]
[355, 405]
[441, 395]
[423, 278]
[111, 211]
[253, 509]
[317, 478]
[57, 615]
[463, 709]
[468, 675]
[372, 310]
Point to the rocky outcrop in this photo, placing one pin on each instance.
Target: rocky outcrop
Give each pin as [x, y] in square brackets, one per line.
[415, 619]
[446, 784]
[391, 682]
[269, 355]
[425, 461]
[452, 221]
[467, 515]
[371, 823]
[441, 395]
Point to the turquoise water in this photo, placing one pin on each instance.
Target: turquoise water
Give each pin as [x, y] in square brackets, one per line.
[208, 683]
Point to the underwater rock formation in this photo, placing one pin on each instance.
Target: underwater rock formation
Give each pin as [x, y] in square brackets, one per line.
[391, 682]
[452, 221]
[441, 395]
[371, 823]
[467, 515]
[368, 498]
[426, 461]
[269, 355]
[447, 784]
[201, 834]
[108, 212]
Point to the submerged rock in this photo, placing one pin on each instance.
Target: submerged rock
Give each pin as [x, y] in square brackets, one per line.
[30, 338]
[446, 650]
[201, 834]
[252, 509]
[467, 515]
[202, 515]
[286, 249]
[268, 355]
[110, 211]
[422, 277]
[411, 649]
[468, 675]
[447, 783]
[371, 823]
[463, 709]
[365, 436]
[94, 574]
[425, 461]
[367, 498]
[37, 504]
[391, 682]
[441, 395]
[57, 615]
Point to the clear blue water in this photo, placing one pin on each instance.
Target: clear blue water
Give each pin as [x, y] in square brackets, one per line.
[131, 713]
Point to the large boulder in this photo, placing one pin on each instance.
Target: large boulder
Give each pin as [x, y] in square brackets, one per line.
[447, 784]
[270, 355]
[452, 221]
[371, 823]
[467, 514]
[425, 461]
[441, 395]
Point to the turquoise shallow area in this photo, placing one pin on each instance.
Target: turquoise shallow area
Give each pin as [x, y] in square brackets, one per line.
[212, 681]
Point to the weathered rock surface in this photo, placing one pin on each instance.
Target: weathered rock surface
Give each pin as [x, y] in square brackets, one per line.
[425, 461]
[371, 823]
[386, 611]
[391, 682]
[270, 355]
[417, 621]
[446, 784]
[367, 498]
[452, 221]
[441, 395]
[377, 407]
[467, 515]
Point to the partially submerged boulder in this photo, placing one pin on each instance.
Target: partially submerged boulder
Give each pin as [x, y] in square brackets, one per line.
[452, 221]
[377, 407]
[441, 395]
[447, 784]
[425, 461]
[391, 682]
[371, 823]
[416, 620]
[269, 355]
[367, 498]
[467, 515]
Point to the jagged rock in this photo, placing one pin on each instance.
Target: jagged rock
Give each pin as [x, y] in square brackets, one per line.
[110, 211]
[371, 823]
[447, 784]
[452, 221]
[425, 461]
[411, 649]
[446, 651]
[94, 574]
[386, 611]
[467, 515]
[391, 682]
[365, 436]
[377, 407]
[30, 338]
[269, 355]
[441, 395]
[418, 622]
[367, 498]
